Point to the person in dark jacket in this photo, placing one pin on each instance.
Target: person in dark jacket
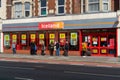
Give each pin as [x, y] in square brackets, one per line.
[51, 48]
[57, 48]
[66, 49]
[32, 48]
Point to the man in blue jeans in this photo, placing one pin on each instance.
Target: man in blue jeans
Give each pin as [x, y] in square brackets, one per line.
[14, 48]
[57, 48]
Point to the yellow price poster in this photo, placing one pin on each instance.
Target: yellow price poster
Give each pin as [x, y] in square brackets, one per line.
[23, 36]
[14, 36]
[41, 36]
[73, 35]
[103, 39]
[7, 37]
[52, 36]
[32, 36]
[103, 51]
[95, 51]
[62, 35]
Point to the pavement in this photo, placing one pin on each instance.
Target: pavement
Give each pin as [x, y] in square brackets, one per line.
[67, 60]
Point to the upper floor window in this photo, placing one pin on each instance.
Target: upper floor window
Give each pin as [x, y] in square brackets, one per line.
[27, 9]
[43, 7]
[61, 6]
[93, 5]
[18, 10]
[105, 5]
[22, 9]
[88, 6]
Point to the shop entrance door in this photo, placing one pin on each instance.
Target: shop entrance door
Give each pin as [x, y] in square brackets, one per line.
[101, 44]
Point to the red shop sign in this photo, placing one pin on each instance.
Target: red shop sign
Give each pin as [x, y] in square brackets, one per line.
[51, 25]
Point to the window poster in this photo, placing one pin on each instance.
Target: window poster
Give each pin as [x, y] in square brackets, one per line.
[73, 39]
[94, 50]
[62, 38]
[23, 37]
[95, 41]
[41, 38]
[6, 39]
[51, 37]
[14, 38]
[103, 39]
[103, 51]
[112, 41]
[32, 37]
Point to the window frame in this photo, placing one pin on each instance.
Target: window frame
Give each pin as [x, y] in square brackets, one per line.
[58, 6]
[40, 8]
[94, 3]
[19, 12]
[27, 9]
[105, 2]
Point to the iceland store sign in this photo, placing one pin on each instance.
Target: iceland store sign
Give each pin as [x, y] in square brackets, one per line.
[50, 25]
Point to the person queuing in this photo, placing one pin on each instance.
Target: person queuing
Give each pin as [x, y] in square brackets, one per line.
[14, 47]
[51, 48]
[66, 49]
[57, 48]
[43, 49]
[32, 48]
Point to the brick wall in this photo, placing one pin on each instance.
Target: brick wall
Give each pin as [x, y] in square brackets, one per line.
[36, 7]
[114, 5]
[76, 6]
[9, 9]
[51, 7]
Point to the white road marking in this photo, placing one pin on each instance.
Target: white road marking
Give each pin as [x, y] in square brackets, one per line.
[16, 68]
[104, 66]
[92, 74]
[20, 78]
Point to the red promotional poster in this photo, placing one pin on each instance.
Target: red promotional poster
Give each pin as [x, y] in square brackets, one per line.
[62, 39]
[112, 43]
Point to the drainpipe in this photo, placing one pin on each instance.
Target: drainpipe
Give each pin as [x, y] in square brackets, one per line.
[1, 37]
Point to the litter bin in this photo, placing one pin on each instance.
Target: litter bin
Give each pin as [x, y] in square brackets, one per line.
[18, 47]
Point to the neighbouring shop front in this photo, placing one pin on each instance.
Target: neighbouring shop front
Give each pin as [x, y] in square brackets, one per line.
[101, 38]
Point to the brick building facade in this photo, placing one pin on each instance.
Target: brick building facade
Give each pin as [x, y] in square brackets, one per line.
[71, 7]
[76, 21]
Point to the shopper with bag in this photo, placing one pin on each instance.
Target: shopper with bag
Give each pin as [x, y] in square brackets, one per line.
[43, 49]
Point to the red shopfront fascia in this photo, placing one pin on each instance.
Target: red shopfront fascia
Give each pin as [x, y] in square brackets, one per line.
[50, 25]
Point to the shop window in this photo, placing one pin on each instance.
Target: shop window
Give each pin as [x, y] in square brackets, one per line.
[87, 39]
[94, 41]
[18, 10]
[23, 41]
[111, 44]
[7, 41]
[27, 9]
[43, 7]
[74, 43]
[103, 42]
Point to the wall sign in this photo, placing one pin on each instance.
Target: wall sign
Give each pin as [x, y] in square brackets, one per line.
[51, 25]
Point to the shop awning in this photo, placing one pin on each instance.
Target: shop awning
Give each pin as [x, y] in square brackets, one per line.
[68, 24]
[91, 23]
